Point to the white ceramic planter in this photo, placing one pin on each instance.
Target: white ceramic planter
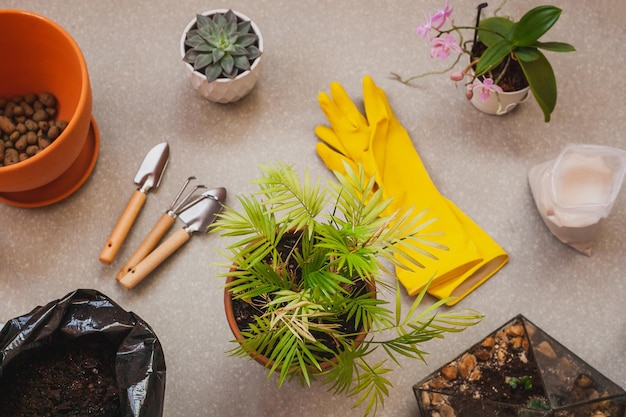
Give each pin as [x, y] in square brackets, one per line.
[499, 103]
[224, 90]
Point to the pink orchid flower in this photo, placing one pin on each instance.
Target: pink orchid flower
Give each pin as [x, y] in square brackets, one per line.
[441, 16]
[441, 47]
[437, 20]
[486, 88]
[424, 29]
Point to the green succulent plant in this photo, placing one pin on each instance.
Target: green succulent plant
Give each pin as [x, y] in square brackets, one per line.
[221, 45]
[313, 300]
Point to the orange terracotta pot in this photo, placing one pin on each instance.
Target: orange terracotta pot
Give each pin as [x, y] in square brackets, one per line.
[40, 56]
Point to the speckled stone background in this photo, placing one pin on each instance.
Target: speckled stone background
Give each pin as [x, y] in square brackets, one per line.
[142, 97]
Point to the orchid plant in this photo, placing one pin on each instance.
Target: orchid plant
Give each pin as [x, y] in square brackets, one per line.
[498, 46]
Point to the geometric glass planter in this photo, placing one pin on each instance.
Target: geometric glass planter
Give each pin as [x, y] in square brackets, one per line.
[518, 371]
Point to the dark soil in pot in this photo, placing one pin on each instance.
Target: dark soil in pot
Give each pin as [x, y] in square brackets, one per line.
[513, 80]
[245, 313]
[66, 378]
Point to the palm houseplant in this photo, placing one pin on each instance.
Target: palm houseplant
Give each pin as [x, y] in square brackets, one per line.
[304, 269]
[222, 50]
[505, 57]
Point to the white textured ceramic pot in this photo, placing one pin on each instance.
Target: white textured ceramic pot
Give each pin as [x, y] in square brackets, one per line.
[224, 90]
[499, 103]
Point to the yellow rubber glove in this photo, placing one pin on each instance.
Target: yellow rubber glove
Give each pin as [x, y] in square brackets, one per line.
[383, 147]
[492, 255]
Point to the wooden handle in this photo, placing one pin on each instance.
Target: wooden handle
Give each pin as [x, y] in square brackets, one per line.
[151, 240]
[125, 222]
[156, 257]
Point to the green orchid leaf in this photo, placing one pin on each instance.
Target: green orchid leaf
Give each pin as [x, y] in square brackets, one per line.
[555, 46]
[494, 29]
[509, 35]
[540, 77]
[493, 56]
[525, 53]
[534, 24]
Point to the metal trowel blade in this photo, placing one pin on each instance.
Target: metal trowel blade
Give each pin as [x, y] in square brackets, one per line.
[201, 215]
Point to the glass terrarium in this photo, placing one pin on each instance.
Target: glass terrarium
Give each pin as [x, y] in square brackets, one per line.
[518, 371]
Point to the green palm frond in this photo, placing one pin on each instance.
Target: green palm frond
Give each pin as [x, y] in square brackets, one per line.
[316, 297]
[357, 201]
[371, 387]
[298, 203]
[370, 311]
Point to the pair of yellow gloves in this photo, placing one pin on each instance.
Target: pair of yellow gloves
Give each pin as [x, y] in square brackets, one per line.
[379, 143]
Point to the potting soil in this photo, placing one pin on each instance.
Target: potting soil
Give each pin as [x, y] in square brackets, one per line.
[66, 378]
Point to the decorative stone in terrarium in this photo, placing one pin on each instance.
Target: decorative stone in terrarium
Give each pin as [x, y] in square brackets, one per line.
[519, 371]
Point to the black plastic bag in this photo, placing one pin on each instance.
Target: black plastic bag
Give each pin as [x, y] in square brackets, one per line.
[139, 364]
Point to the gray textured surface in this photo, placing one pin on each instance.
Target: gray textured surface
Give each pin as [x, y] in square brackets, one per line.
[141, 97]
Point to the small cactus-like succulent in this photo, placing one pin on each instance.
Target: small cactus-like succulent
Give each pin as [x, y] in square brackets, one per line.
[221, 45]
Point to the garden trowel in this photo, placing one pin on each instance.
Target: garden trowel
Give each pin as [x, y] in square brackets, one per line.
[161, 227]
[148, 176]
[197, 218]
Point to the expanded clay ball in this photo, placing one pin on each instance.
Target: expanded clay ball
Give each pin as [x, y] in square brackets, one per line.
[27, 126]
